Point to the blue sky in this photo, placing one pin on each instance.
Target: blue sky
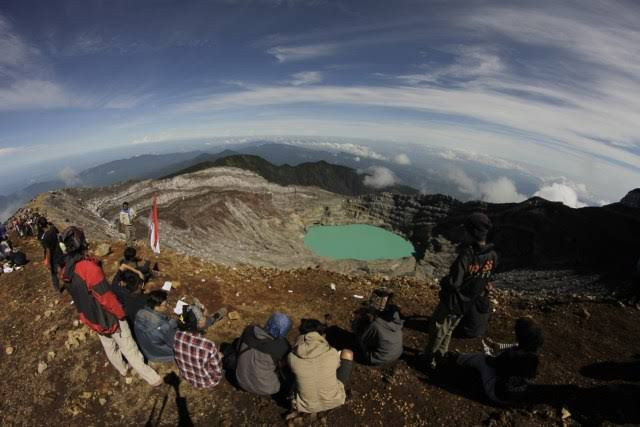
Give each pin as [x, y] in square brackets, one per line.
[553, 84]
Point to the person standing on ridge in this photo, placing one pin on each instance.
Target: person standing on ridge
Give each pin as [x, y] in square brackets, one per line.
[99, 308]
[127, 218]
[53, 256]
[467, 281]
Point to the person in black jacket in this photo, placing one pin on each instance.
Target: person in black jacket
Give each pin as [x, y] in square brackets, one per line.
[53, 258]
[460, 289]
[505, 374]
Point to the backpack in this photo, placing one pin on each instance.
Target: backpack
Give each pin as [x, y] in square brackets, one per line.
[19, 258]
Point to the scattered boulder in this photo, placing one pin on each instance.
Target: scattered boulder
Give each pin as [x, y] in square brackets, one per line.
[42, 367]
[50, 356]
[102, 250]
[9, 350]
[48, 332]
[74, 338]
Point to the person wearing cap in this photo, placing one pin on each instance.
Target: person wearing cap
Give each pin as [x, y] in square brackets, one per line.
[262, 352]
[52, 254]
[197, 358]
[99, 308]
[127, 217]
[467, 281]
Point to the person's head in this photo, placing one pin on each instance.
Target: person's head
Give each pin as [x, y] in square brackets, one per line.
[389, 312]
[132, 283]
[130, 253]
[125, 205]
[477, 226]
[528, 334]
[312, 325]
[42, 222]
[188, 321]
[278, 325]
[73, 240]
[157, 300]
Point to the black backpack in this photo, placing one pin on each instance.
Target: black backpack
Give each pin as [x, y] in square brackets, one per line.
[19, 258]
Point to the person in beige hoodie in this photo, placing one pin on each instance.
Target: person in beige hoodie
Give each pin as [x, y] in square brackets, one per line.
[320, 371]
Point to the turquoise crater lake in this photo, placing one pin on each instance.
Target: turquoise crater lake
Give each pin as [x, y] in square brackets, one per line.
[356, 241]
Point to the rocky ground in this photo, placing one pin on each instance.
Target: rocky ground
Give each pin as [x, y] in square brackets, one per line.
[54, 371]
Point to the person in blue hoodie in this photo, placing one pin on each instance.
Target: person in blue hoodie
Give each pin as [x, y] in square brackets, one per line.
[154, 330]
[381, 342]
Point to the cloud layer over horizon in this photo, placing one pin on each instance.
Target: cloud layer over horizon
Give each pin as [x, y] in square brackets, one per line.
[550, 84]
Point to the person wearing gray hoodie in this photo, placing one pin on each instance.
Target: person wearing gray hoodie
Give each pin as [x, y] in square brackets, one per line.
[381, 342]
[262, 351]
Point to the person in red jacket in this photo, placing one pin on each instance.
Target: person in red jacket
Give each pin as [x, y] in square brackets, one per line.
[99, 308]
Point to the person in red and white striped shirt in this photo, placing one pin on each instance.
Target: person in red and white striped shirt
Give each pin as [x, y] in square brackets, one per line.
[198, 359]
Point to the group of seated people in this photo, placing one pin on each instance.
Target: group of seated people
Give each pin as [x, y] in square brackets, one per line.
[10, 258]
[311, 373]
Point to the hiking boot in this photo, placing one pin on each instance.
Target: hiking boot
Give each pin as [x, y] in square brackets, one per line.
[215, 317]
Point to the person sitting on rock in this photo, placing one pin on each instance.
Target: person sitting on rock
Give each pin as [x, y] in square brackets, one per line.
[130, 266]
[99, 308]
[197, 358]
[261, 354]
[380, 338]
[506, 371]
[154, 331]
[467, 281]
[320, 371]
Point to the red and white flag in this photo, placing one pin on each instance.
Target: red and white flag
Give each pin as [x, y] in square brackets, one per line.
[154, 229]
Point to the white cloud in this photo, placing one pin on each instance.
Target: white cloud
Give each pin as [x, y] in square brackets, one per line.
[500, 190]
[472, 62]
[350, 148]
[402, 159]
[306, 78]
[357, 158]
[125, 101]
[5, 151]
[379, 177]
[558, 192]
[33, 94]
[15, 52]
[151, 138]
[300, 53]
[69, 176]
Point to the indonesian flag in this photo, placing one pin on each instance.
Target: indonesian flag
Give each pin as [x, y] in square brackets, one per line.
[154, 229]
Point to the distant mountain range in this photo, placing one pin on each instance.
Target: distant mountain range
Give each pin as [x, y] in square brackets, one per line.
[334, 178]
[153, 166]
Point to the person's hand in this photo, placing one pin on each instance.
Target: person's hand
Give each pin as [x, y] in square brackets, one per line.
[45, 262]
